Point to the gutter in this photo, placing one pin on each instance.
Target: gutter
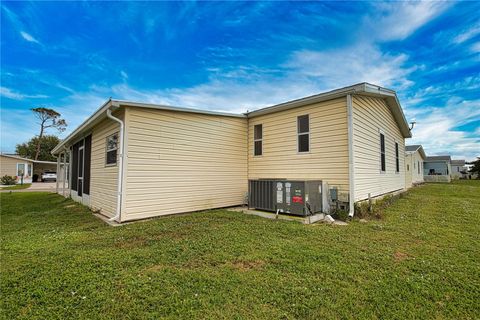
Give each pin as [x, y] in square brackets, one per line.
[118, 216]
[351, 169]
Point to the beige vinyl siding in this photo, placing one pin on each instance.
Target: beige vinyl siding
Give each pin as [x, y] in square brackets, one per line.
[370, 115]
[103, 179]
[415, 176]
[8, 166]
[328, 156]
[409, 170]
[181, 162]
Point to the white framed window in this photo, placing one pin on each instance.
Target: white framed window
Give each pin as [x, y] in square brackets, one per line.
[383, 166]
[20, 169]
[258, 140]
[303, 133]
[111, 150]
[29, 170]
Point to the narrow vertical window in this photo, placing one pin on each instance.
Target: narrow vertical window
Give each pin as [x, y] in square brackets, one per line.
[418, 167]
[397, 159]
[382, 152]
[111, 150]
[303, 132]
[258, 140]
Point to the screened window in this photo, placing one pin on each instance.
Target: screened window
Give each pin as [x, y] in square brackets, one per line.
[258, 140]
[397, 159]
[303, 125]
[112, 147]
[382, 152]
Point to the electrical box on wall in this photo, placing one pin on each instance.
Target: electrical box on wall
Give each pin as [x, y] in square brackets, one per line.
[287, 196]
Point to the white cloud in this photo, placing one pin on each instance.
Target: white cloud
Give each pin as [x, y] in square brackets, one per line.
[398, 20]
[467, 34]
[124, 75]
[11, 94]
[28, 37]
[436, 129]
[359, 63]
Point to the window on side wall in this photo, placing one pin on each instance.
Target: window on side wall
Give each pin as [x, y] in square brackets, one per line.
[397, 159]
[111, 150]
[258, 140]
[418, 167]
[303, 133]
[382, 152]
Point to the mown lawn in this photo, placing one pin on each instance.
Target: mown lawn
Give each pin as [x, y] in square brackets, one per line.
[16, 187]
[421, 262]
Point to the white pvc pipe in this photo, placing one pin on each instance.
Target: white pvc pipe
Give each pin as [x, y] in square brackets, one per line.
[351, 169]
[117, 216]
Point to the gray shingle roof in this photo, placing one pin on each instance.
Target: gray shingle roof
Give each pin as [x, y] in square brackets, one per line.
[413, 147]
[458, 162]
[439, 158]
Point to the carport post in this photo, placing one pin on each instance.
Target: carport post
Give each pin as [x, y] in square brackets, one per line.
[64, 173]
[58, 170]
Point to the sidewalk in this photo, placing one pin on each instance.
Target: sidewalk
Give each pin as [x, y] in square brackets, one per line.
[37, 187]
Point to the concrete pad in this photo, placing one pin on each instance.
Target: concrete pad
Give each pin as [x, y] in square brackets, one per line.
[270, 215]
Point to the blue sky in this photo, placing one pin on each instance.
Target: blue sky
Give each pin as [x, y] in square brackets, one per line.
[233, 56]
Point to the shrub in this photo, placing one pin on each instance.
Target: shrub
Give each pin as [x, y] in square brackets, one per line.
[8, 180]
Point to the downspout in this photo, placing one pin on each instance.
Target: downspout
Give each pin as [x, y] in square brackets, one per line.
[117, 216]
[351, 171]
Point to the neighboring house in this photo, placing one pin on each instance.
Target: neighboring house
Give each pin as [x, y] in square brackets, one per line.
[459, 169]
[17, 167]
[133, 160]
[437, 169]
[414, 158]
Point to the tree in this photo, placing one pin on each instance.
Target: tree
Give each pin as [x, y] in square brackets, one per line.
[476, 167]
[49, 118]
[29, 149]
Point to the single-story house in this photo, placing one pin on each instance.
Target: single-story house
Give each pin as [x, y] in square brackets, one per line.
[459, 169]
[437, 169]
[16, 166]
[135, 160]
[414, 158]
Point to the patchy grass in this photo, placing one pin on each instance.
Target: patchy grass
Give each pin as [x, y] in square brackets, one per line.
[17, 187]
[421, 261]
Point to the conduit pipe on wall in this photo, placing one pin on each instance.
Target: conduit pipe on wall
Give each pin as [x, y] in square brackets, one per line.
[117, 216]
[351, 163]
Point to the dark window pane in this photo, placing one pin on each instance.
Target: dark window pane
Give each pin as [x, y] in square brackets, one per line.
[383, 161]
[258, 134]
[303, 125]
[303, 143]
[258, 148]
[112, 157]
[382, 142]
[80, 163]
[397, 160]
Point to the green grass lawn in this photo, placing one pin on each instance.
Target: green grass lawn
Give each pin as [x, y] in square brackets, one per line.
[422, 261]
[17, 187]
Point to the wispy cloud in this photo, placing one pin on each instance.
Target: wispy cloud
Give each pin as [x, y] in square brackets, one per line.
[398, 20]
[467, 34]
[15, 95]
[28, 37]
